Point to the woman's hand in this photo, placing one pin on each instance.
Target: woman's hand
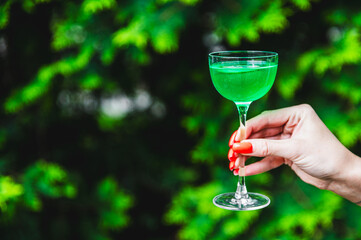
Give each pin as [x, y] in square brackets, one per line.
[296, 136]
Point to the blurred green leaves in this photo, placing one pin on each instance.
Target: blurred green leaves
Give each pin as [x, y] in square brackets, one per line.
[109, 51]
[257, 17]
[142, 23]
[345, 50]
[113, 205]
[303, 212]
[49, 180]
[46, 179]
[159, 26]
[9, 192]
[202, 220]
[4, 13]
[42, 81]
[41, 179]
[94, 6]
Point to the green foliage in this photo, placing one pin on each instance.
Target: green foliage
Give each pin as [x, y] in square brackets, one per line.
[39, 180]
[201, 220]
[302, 213]
[42, 81]
[158, 26]
[46, 179]
[257, 17]
[187, 2]
[113, 204]
[94, 6]
[4, 14]
[169, 144]
[302, 4]
[9, 192]
[343, 51]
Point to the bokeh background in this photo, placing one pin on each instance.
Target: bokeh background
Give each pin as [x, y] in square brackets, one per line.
[110, 127]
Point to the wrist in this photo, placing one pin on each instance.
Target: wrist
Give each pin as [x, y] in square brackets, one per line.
[347, 183]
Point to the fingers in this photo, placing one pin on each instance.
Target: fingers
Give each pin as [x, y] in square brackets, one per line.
[237, 136]
[267, 132]
[231, 140]
[266, 164]
[232, 156]
[285, 148]
[266, 135]
[272, 119]
[243, 147]
[241, 134]
[240, 162]
[274, 151]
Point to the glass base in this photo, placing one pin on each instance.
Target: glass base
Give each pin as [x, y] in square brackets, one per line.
[254, 201]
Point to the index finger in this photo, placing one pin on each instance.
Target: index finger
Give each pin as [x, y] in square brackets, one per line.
[271, 119]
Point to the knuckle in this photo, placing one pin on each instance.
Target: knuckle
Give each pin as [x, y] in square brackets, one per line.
[306, 108]
[265, 149]
[323, 185]
[274, 164]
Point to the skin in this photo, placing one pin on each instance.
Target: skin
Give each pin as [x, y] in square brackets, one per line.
[297, 137]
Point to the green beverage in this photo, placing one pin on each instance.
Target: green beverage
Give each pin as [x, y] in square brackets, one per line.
[242, 77]
[243, 81]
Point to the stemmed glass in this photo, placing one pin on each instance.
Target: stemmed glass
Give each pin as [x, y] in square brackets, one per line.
[242, 77]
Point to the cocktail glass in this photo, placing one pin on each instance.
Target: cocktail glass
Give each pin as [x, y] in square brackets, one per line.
[242, 77]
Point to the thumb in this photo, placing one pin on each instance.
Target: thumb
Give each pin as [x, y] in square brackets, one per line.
[266, 147]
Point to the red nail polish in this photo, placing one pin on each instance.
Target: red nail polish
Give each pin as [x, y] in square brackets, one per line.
[231, 155]
[236, 172]
[244, 147]
[231, 140]
[231, 165]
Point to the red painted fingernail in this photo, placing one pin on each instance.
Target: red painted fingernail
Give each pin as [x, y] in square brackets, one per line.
[235, 172]
[244, 147]
[231, 165]
[231, 140]
[232, 155]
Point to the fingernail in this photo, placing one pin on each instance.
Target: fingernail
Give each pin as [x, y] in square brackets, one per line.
[235, 172]
[231, 140]
[231, 155]
[244, 147]
[231, 165]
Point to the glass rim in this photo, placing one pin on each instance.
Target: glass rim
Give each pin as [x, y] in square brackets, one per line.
[262, 54]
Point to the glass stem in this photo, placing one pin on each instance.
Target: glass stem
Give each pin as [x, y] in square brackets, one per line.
[241, 185]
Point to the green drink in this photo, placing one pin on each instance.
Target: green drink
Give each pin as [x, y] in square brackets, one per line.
[243, 81]
[242, 77]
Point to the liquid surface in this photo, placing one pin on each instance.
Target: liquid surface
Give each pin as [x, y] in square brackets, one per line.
[243, 81]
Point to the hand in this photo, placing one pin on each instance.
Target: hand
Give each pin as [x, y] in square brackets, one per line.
[296, 136]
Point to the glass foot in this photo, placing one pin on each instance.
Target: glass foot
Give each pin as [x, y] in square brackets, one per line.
[254, 201]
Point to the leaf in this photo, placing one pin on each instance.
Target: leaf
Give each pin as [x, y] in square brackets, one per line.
[133, 34]
[302, 4]
[273, 19]
[10, 191]
[113, 205]
[46, 179]
[4, 13]
[40, 85]
[95, 6]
